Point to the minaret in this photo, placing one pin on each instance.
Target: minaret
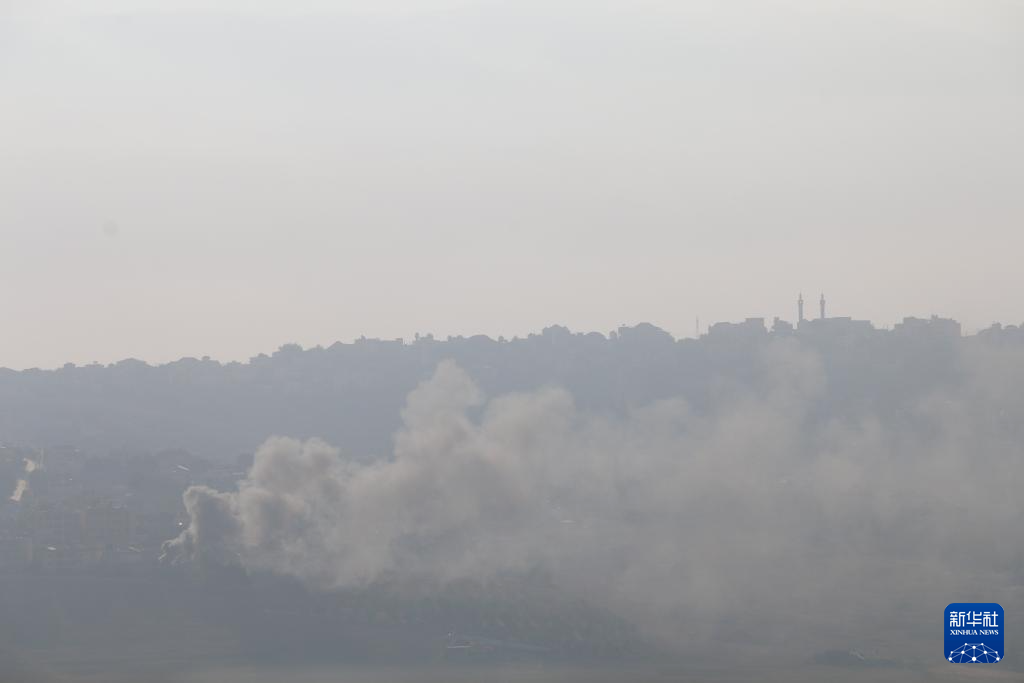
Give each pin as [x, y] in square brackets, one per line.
[800, 309]
[822, 302]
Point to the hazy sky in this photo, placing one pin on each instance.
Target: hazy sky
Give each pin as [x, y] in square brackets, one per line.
[219, 178]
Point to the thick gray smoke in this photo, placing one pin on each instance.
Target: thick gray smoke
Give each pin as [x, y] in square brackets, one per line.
[761, 505]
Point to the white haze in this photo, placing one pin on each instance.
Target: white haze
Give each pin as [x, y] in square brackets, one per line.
[323, 170]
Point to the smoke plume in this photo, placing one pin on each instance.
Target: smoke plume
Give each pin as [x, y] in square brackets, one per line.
[754, 508]
[21, 488]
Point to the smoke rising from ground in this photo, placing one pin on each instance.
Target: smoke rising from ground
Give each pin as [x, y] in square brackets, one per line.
[760, 504]
[21, 488]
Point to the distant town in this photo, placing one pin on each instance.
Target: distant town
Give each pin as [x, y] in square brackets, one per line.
[95, 458]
